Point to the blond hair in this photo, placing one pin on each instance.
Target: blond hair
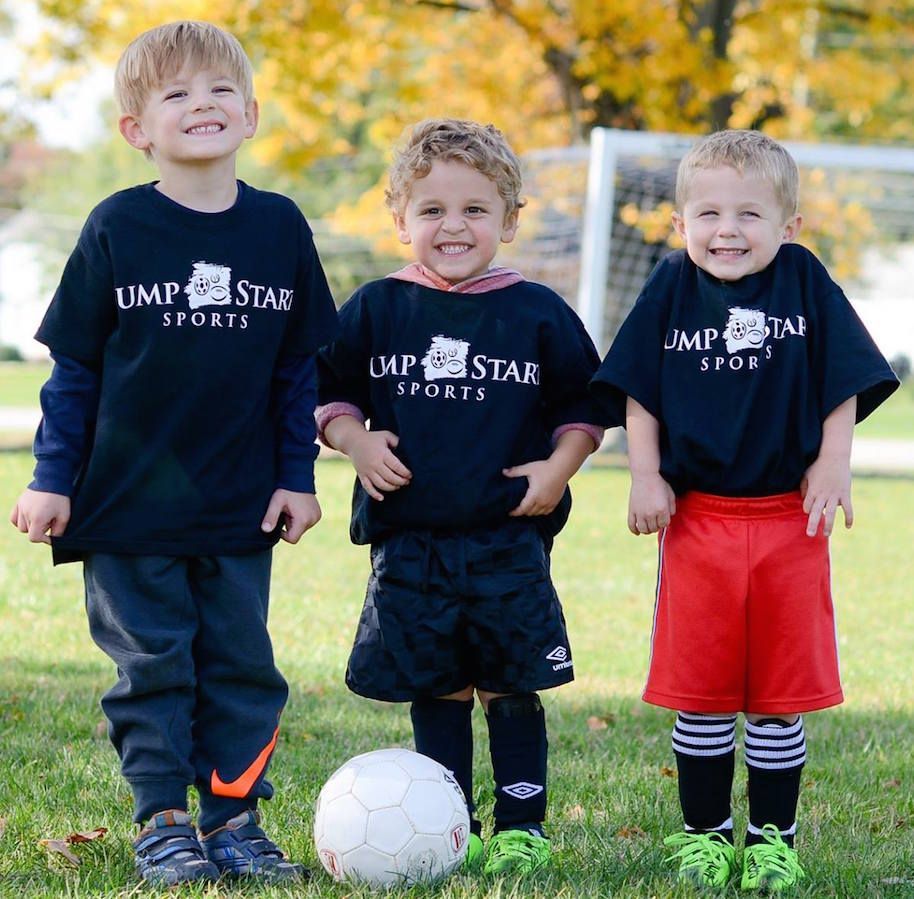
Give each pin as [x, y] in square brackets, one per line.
[482, 147]
[160, 53]
[745, 151]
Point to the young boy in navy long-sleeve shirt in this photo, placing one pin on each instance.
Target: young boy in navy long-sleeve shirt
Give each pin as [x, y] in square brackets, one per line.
[177, 446]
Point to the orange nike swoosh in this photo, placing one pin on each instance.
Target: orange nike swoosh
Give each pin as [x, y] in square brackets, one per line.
[241, 786]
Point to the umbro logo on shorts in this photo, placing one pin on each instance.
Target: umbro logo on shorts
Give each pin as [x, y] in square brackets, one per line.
[523, 790]
[559, 655]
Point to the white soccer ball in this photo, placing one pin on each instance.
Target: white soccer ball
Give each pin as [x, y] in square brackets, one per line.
[391, 817]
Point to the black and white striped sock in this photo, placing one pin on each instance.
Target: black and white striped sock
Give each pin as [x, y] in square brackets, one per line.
[704, 747]
[775, 752]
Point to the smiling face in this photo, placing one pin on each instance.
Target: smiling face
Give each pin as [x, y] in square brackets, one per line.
[454, 218]
[196, 116]
[732, 223]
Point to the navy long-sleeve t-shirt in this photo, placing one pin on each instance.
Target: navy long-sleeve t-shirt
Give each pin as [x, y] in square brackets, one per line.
[198, 328]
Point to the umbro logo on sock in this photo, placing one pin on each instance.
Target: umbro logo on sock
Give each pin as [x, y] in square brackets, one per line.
[523, 790]
[559, 655]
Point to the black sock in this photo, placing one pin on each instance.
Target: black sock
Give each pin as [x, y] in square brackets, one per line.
[705, 748]
[518, 746]
[442, 730]
[775, 752]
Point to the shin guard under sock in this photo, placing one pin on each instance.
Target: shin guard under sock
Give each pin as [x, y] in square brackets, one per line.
[705, 748]
[519, 748]
[775, 752]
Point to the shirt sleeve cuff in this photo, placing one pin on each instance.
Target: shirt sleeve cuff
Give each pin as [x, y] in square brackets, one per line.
[323, 415]
[50, 476]
[595, 432]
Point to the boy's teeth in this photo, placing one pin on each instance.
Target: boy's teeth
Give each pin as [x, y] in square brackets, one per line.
[453, 249]
[204, 129]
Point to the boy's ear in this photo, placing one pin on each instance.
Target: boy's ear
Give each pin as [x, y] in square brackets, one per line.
[251, 118]
[509, 228]
[402, 230]
[678, 224]
[131, 128]
[792, 228]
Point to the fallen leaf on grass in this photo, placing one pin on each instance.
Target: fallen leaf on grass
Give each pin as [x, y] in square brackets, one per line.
[576, 813]
[631, 833]
[668, 772]
[892, 784]
[61, 848]
[594, 722]
[87, 836]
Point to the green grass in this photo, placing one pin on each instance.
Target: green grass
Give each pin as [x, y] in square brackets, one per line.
[612, 796]
[21, 381]
[894, 419]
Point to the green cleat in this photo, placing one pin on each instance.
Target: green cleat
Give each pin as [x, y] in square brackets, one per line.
[705, 859]
[516, 851]
[770, 866]
[476, 855]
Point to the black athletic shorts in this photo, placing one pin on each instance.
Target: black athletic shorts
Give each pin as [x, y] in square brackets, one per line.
[446, 611]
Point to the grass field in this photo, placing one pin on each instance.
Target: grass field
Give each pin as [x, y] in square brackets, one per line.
[612, 794]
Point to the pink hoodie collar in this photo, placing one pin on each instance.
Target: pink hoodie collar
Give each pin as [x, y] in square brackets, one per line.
[493, 279]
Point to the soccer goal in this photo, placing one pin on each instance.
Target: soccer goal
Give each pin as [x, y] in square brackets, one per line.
[857, 203]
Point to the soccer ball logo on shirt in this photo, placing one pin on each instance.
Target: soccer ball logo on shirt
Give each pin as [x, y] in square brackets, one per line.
[209, 285]
[745, 330]
[446, 357]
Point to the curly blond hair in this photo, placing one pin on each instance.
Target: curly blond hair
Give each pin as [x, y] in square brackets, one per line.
[482, 147]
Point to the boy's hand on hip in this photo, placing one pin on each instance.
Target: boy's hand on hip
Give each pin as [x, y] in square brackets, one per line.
[378, 468]
[825, 486]
[41, 515]
[651, 504]
[301, 510]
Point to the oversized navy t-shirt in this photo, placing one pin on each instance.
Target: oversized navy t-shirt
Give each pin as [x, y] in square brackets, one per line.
[471, 384]
[185, 315]
[741, 375]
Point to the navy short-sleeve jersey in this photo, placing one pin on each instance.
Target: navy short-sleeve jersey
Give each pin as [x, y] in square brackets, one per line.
[741, 375]
[471, 384]
[185, 316]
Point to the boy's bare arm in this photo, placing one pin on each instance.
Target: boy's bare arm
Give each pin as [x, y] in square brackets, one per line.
[547, 478]
[371, 454]
[827, 482]
[41, 515]
[651, 501]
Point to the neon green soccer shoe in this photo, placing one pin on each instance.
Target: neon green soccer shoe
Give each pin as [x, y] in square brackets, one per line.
[476, 855]
[516, 851]
[771, 866]
[705, 859]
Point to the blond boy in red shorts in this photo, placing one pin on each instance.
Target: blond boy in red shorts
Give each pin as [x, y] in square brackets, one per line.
[742, 369]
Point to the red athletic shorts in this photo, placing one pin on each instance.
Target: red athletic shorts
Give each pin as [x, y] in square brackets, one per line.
[743, 620]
